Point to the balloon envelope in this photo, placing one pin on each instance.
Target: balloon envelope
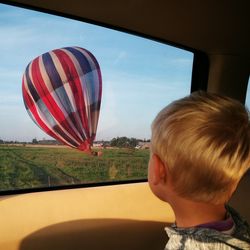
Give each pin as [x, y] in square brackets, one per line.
[62, 93]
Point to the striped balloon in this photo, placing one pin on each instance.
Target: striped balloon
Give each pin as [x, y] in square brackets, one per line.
[62, 93]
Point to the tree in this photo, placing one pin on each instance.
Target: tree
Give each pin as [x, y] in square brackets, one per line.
[133, 142]
[34, 141]
[123, 142]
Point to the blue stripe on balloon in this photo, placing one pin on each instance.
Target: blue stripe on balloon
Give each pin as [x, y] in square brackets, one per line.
[82, 60]
[87, 66]
[50, 68]
[64, 99]
[59, 131]
[33, 119]
[57, 83]
[49, 119]
[90, 85]
[30, 85]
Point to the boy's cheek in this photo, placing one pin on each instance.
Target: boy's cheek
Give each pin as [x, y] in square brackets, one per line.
[150, 174]
[157, 190]
[151, 180]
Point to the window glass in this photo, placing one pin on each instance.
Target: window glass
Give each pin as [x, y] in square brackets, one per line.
[140, 77]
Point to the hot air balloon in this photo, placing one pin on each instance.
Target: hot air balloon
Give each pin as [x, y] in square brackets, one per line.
[62, 92]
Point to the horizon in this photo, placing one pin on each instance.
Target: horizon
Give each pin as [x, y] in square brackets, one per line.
[51, 139]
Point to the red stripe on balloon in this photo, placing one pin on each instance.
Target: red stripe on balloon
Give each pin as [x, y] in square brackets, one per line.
[48, 99]
[33, 109]
[75, 84]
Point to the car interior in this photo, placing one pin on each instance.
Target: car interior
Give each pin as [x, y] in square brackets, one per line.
[127, 215]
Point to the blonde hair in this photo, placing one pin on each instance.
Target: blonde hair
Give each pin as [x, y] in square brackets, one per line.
[204, 140]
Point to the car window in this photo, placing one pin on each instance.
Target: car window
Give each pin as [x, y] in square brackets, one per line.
[139, 77]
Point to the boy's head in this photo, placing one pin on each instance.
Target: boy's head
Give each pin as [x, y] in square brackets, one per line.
[204, 142]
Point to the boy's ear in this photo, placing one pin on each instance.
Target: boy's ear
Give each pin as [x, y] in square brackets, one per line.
[159, 169]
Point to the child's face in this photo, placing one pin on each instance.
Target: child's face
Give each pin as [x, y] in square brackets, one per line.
[150, 171]
[151, 175]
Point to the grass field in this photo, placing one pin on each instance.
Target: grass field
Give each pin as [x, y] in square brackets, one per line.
[30, 167]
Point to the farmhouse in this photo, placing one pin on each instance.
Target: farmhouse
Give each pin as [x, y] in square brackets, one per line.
[143, 145]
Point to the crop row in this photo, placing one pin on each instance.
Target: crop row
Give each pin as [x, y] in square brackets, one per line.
[24, 167]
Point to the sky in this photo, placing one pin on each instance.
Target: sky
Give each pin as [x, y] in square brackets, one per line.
[140, 76]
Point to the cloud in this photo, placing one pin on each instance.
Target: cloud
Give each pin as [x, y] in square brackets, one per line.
[181, 61]
[10, 76]
[130, 103]
[108, 112]
[7, 100]
[121, 56]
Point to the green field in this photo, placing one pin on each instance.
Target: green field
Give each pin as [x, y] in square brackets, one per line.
[29, 167]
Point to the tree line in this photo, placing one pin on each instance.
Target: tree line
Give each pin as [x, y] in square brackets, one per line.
[125, 142]
[120, 142]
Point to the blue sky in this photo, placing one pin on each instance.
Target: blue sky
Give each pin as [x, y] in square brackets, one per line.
[140, 76]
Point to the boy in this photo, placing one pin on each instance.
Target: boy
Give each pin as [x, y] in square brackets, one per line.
[200, 149]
